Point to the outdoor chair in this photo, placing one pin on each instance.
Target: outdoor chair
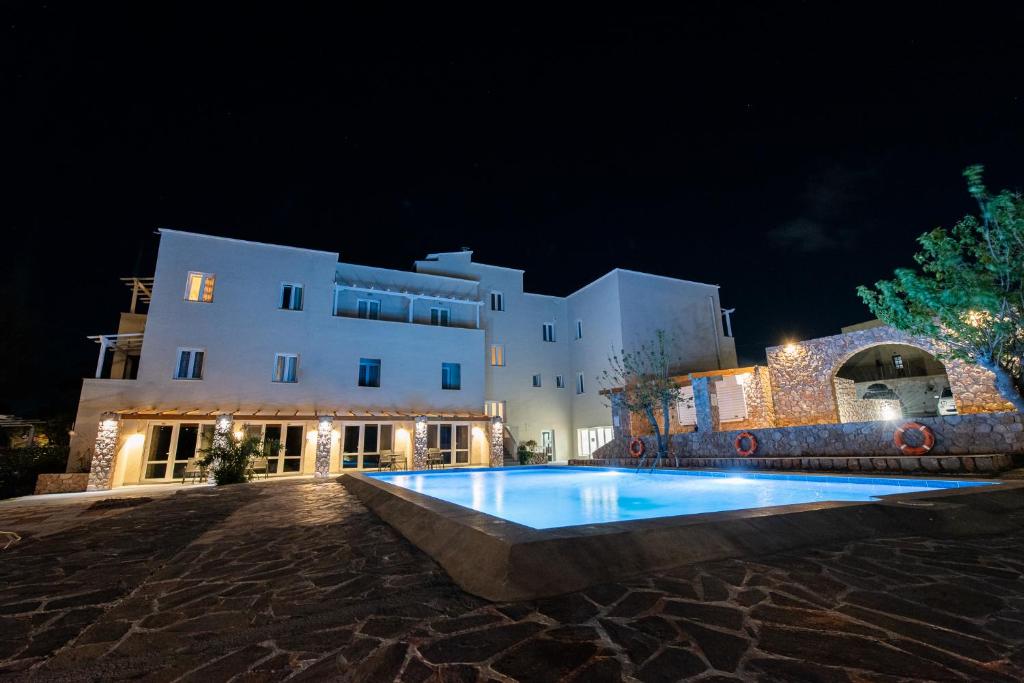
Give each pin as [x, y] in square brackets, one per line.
[388, 460]
[259, 466]
[193, 471]
[434, 458]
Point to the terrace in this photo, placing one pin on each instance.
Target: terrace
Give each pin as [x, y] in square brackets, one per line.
[298, 579]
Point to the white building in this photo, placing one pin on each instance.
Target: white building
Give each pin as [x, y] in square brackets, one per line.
[296, 346]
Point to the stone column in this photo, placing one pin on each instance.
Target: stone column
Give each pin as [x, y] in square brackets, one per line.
[101, 471]
[221, 437]
[419, 443]
[496, 442]
[705, 402]
[324, 432]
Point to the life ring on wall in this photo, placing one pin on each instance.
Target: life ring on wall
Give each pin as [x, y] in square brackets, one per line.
[637, 447]
[926, 433]
[738, 443]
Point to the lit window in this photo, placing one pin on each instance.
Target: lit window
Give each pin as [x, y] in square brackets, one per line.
[579, 383]
[286, 367]
[497, 301]
[190, 364]
[291, 296]
[579, 329]
[536, 380]
[199, 287]
[369, 309]
[451, 376]
[497, 355]
[369, 372]
[548, 332]
[440, 316]
[897, 361]
[559, 382]
[494, 409]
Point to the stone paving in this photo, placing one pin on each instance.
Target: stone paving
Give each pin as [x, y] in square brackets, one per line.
[297, 580]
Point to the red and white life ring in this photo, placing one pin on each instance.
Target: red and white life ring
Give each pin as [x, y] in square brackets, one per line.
[738, 444]
[926, 434]
[637, 447]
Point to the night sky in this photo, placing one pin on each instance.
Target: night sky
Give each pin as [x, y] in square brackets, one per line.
[786, 154]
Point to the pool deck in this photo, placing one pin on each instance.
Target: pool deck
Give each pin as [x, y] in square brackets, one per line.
[297, 580]
[501, 560]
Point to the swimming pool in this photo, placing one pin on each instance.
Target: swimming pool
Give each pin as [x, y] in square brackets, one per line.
[549, 497]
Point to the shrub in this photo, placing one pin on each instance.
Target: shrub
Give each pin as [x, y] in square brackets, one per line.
[19, 467]
[231, 459]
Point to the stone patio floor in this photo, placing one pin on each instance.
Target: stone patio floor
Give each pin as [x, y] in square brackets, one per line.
[297, 580]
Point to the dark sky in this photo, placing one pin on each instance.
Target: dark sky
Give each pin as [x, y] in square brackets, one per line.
[786, 153]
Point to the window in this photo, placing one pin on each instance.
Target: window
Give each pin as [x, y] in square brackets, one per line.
[362, 445]
[286, 367]
[497, 355]
[494, 409]
[559, 382]
[536, 380]
[548, 332]
[579, 383]
[497, 301]
[190, 364]
[451, 376]
[291, 296]
[199, 287]
[369, 309]
[451, 439]
[440, 316]
[579, 329]
[369, 372]
[897, 361]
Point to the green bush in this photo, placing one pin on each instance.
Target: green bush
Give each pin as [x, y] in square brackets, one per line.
[19, 467]
[231, 459]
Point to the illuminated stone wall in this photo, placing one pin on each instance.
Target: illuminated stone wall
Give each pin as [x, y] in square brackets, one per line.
[221, 433]
[419, 444]
[853, 409]
[324, 431]
[802, 376]
[954, 435]
[496, 445]
[101, 469]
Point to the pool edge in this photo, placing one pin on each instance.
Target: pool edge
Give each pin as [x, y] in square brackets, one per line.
[501, 560]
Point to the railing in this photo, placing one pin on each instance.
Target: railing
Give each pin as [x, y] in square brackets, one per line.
[130, 344]
[509, 444]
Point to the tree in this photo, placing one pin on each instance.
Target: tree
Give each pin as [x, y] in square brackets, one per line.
[641, 382]
[969, 292]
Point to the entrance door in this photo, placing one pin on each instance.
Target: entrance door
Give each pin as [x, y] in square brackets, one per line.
[547, 443]
[361, 445]
[452, 440]
[170, 447]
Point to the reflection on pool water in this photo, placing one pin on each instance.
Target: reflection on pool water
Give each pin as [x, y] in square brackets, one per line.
[547, 497]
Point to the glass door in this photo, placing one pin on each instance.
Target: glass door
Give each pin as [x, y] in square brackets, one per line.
[171, 446]
[452, 440]
[361, 445]
[547, 443]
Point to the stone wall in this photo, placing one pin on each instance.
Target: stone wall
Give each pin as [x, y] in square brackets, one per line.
[64, 482]
[853, 409]
[954, 435]
[802, 374]
[925, 464]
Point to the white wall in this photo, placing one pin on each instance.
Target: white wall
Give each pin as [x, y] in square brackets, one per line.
[242, 329]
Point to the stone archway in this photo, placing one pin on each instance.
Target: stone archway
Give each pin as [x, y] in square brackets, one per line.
[887, 381]
[802, 375]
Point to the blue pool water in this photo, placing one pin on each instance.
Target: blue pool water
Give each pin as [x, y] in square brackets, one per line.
[547, 497]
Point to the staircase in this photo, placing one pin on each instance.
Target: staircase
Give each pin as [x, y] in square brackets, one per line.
[510, 447]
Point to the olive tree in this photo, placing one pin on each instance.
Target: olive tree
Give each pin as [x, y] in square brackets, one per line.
[968, 293]
[641, 382]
